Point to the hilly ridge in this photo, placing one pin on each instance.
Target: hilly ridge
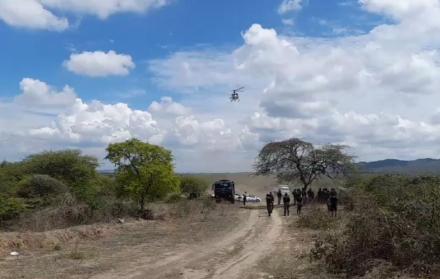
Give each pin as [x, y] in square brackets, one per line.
[414, 167]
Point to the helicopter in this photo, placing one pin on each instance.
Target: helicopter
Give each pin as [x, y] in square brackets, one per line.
[234, 95]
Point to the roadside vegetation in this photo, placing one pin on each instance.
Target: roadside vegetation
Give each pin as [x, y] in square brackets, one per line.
[391, 226]
[58, 189]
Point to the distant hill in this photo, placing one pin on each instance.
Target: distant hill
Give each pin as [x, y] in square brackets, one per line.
[420, 166]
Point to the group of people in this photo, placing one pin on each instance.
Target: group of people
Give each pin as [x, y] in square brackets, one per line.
[301, 197]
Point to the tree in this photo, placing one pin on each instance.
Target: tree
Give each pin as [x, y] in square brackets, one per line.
[297, 160]
[40, 186]
[144, 171]
[10, 208]
[72, 168]
[193, 186]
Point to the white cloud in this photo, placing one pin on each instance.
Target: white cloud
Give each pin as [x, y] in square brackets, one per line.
[104, 9]
[288, 21]
[290, 6]
[400, 9]
[36, 94]
[377, 92]
[99, 123]
[100, 64]
[168, 106]
[42, 118]
[30, 14]
[40, 14]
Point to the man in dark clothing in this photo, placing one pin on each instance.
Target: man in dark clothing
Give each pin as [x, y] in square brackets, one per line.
[279, 195]
[244, 198]
[310, 194]
[325, 195]
[269, 203]
[286, 203]
[299, 204]
[295, 194]
[333, 203]
[319, 195]
[304, 195]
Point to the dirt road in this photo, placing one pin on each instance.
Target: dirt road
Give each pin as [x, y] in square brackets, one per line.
[232, 256]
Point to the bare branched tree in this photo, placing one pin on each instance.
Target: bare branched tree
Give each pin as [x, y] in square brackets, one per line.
[297, 160]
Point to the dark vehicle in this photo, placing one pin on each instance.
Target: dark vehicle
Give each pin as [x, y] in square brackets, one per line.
[224, 189]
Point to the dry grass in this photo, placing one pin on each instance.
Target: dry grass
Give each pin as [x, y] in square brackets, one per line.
[290, 260]
[86, 250]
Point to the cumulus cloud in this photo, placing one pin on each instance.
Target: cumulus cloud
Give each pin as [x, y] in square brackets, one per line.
[98, 123]
[36, 94]
[167, 106]
[400, 9]
[290, 6]
[41, 14]
[100, 64]
[41, 117]
[30, 14]
[374, 91]
[104, 9]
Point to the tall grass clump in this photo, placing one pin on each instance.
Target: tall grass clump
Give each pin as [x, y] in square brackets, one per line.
[316, 219]
[394, 219]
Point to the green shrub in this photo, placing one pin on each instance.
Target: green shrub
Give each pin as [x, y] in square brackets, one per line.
[192, 186]
[395, 219]
[173, 198]
[10, 175]
[75, 170]
[10, 208]
[316, 219]
[40, 186]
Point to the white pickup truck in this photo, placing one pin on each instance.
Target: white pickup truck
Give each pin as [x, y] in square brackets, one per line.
[284, 189]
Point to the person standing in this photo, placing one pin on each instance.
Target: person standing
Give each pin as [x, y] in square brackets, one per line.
[320, 195]
[310, 195]
[269, 203]
[244, 198]
[333, 203]
[304, 195]
[286, 203]
[299, 204]
[279, 195]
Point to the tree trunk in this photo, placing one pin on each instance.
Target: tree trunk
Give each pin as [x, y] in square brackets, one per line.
[142, 203]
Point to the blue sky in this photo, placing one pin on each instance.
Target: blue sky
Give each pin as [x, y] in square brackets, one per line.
[182, 25]
[83, 73]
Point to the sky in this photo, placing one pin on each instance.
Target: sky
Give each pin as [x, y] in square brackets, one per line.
[81, 74]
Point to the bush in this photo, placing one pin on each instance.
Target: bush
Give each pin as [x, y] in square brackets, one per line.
[10, 208]
[395, 219]
[173, 198]
[40, 186]
[192, 186]
[10, 175]
[99, 191]
[316, 219]
[69, 166]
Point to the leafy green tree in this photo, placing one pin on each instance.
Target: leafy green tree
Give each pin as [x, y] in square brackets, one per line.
[10, 208]
[193, 186]
[10, 175]
[68, 166]
[297, 160]
[40, 186]
[144, 172]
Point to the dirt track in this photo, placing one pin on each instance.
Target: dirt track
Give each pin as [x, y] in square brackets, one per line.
[232, 256]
